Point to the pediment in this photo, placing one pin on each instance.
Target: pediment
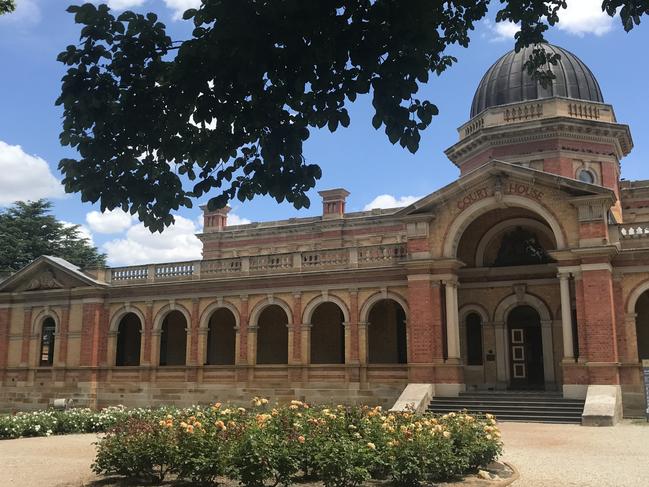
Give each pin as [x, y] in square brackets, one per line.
[497, 179]
[46, 274]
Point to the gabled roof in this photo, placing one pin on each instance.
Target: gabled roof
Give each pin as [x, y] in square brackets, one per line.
[40, 267]
[500, 168]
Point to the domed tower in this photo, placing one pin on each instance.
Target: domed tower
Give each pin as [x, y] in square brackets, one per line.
[565, 128]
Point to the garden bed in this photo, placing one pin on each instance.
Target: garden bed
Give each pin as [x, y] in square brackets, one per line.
[265, 445]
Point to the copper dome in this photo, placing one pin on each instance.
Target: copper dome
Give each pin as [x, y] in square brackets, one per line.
[507, 82]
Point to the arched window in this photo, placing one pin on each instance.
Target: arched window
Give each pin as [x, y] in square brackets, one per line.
[272, 336]
[586, 176]
[221, 338]
[387, 333]
[327, 335]
[473, 339]
[47, 342]
[129, 338]
[173, 339]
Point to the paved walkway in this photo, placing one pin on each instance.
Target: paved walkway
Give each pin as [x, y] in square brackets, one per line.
[545, 455]
[572, 455]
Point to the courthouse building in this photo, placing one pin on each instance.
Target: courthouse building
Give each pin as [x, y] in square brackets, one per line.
[529, 272]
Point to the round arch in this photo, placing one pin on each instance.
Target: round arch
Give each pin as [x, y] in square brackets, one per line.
[472, 339]
[213, 307]
[318, 300]
[514, 300]
[635, 294]
[473, 308]
[375, 298]
[460, 224]
[504, 225]
[502, 347]
[120, 313]
[37, 321]
[165, 310]
[264, 303]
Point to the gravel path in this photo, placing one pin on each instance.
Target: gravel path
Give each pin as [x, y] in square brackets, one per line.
[572, 455]
[546, 456]
[47, 462]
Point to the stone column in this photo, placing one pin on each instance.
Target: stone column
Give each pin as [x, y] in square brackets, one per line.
[241, 346]
[502, 353]
[27, 333]
[548, 351]
[452, 321]
[305, 342]
[352, 347]
[566, 317]
[147, 358]
[5, 314]
[194, 355]
[631, 337]
[295, 341]
[62, 338]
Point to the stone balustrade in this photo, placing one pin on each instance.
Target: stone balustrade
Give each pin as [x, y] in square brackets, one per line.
[634, 230]
[352, 257]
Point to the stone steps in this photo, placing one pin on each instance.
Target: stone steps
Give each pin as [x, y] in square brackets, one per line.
[513, 406]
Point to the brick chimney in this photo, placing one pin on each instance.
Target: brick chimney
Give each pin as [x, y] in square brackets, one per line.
[333, 202]
[216, 220]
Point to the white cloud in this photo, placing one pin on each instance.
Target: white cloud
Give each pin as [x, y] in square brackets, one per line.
[503, 31]
[234, 219]
[585, 17]
[27, 12]
[124, 4]
[25, 177]
[140, 246]
[113, 221]
[179, 6]
[389, 201]
[580, 18]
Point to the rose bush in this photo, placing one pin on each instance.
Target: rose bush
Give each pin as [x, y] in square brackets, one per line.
[281, 445]
[275, 445]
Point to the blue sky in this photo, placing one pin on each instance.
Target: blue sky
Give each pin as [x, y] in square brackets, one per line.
[358, 158]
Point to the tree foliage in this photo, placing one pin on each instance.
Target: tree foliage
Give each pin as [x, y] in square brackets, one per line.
[157, 122]
[7, 6]
[27, 231]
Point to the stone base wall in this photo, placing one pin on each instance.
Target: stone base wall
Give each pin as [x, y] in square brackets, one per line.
[28, 389]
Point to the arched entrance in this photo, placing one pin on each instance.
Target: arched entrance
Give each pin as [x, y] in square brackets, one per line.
[272, 336]
[221, 338]
[642, 325]
[386, 332]
[525, 343]
[173, 339]
[129, 339]
[327, 334]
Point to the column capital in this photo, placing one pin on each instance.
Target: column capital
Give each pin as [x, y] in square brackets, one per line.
[451, 282]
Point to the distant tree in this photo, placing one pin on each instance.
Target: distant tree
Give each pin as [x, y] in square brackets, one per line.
[27, 231]
[158, 122]
[7, 6]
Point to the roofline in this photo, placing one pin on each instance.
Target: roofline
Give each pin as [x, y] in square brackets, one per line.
[495, 166]
[49, 260]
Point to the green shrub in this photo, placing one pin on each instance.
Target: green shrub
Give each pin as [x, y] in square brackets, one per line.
[264, 445]
[138, 448]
